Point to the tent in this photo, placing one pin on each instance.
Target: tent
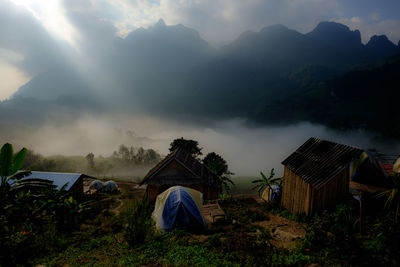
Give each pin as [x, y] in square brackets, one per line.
[109, 187]
[96, 185]
[271, 195]
[369, 169]
[178, 207]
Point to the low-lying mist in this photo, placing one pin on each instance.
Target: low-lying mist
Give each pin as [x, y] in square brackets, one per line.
[247, 150]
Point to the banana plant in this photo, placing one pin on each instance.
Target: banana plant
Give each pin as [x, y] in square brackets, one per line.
[392, 195]
[266, 182]
[10, 164]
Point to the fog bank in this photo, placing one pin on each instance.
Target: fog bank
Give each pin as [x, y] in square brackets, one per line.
[247, 150]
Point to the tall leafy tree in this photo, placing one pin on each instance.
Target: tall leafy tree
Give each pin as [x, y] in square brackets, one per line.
[190, 146]
[219, 167]
[90, 159]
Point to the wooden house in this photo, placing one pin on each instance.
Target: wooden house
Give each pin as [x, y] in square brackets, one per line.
[316, 176]
[180, 168]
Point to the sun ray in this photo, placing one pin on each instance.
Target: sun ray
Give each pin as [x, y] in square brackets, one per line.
[52, 16]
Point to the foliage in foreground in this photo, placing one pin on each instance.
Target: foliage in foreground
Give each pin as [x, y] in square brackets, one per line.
[331, 239]
[139, 225]
[33, 214]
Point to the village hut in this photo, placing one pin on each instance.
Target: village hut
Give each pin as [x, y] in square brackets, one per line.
[180, 168]
[316, 176]
[73, 181]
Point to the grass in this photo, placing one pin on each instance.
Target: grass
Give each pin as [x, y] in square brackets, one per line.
[235, 241]
[167, 249]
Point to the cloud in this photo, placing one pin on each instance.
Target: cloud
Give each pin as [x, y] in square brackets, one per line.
[25, 35]
[11, 79]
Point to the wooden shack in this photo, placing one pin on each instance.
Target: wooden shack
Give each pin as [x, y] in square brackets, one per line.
[73, 182]
[316, 176]
[180, 168]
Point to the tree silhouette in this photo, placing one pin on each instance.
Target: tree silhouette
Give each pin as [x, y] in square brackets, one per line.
[189, 146]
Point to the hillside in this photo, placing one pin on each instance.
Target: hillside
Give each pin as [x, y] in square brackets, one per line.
[365, 98]
[171, 70]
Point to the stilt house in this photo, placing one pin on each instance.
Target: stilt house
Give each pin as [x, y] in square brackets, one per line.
[316, 176]
[180, 168]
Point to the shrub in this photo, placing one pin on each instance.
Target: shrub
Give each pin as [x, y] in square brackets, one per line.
[138, 222]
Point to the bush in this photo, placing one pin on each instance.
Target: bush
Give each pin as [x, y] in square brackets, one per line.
[33, 218]
[138, 222]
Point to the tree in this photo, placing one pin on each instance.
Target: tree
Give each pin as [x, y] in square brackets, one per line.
[266, 182]
[189, 146]
[219, 167]
[90, 159]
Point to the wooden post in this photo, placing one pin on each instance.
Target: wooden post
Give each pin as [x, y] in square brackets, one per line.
[361, 222]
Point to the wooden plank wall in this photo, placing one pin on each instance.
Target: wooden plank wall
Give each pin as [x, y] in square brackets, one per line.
[300, 197]
[77, 187]
[296, 193]
[329, 196]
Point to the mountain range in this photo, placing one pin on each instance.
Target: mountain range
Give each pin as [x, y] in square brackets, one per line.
[276, 75]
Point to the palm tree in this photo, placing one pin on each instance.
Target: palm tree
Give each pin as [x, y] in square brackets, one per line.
[266, 182]
[393, 194]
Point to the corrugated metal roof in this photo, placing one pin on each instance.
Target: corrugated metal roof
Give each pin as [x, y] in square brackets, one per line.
[386, 162]
[59, 179]
[318, 161]
[200, 172]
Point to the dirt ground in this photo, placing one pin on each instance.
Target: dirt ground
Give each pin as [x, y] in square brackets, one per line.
[284, 232]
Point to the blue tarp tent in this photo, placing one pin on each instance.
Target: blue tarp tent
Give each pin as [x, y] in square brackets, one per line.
[367, 170]
[179, 207]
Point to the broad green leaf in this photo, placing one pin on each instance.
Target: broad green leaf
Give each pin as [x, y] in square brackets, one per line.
[263, 176]
[18, 160]
[6, 159]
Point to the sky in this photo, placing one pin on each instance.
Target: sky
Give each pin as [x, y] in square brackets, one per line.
[37, 35]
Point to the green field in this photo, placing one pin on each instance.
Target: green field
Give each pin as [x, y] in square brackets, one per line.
[243, 185]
